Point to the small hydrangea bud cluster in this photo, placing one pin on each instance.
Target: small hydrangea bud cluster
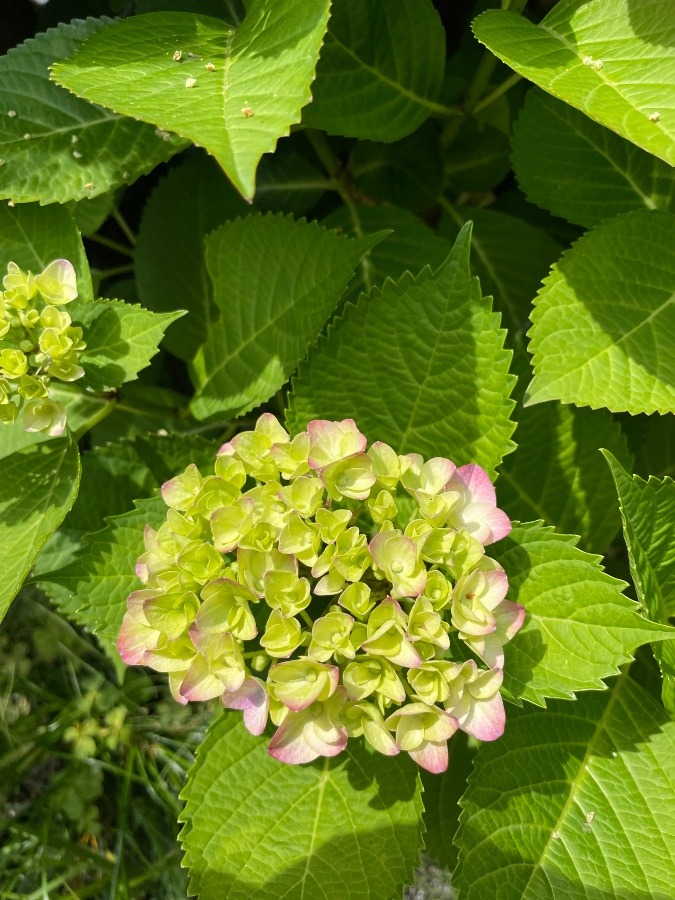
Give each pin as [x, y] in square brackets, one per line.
[37, 343]
[340, 590]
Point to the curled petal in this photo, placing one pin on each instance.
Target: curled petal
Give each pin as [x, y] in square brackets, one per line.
[431, 756]
[252, 698]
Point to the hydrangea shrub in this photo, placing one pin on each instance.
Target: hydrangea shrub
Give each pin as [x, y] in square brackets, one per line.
[353, 511]
[321, 582]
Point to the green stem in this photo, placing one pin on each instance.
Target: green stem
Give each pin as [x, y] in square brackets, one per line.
[306, 619]
[110, 244]
[341, 185]
[498, 91]
[124, 227]
[117, 270]
[98, 416]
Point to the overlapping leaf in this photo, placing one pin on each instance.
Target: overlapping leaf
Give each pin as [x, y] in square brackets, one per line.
[579, 626]
[343, 827]
[121, 340]
[510, 257]
[557, 473]
[154, 67]
[191, 201]
[574, 801]
[603, 322]
[276, 281]
[381, 69]
[55, 147]
[420, 364]
[33, 236]
[38, 487]
[579, 170]
[612, 59]
[648, 513]
[409, 247]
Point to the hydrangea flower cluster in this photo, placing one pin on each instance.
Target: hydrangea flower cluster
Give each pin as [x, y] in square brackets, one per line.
[338, 589]
[37, 343]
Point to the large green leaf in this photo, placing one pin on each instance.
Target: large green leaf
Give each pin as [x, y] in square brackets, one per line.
[276, 281]
[381, 69]
[55, 147]
[648, 513]
[121, 339]
[238, 110]
[604, 320]
[94, 587]
[558, 475]
[509, 256]
[575, 801]
[420, 364]
[32, 236]
[191, 201]
[38, 487]
[254, 827]
[579, 626]
[612, 59]
[569, 164]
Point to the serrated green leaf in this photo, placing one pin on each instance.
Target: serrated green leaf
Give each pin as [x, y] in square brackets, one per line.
[604, 319]
[343, 827]
[276, 282]
[410, 246]
[579, 626]
[263, 71]
[388, 53]
[38, 487]
[121, 340]
[56, 147]
[509, 256]
[189, 203]
[612, 59]
[577, 800]
[648, 514]
[32, 236]
[442, 794]
[579, 170]
[419, 364]
[558, 475]
[94, 587]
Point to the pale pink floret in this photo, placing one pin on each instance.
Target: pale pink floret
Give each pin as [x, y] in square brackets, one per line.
[509, 618]
[136, 637]
[252, 698]
[316, 731]
[477, 511]
[333, 441]
[423, 732]
[476, 703]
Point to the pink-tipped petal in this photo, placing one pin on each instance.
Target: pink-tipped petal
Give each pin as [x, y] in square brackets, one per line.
[477, 483]
[490, 649]
[253, 700]
[288, 744]
[132, 642]
[486, 719]
[432, 757]
[509, 617]
[407, 656]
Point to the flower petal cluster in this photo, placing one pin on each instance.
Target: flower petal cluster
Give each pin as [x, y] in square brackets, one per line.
[38, 343]
[337, 589]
